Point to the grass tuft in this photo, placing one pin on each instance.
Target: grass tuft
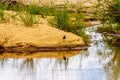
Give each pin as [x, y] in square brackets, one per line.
[28, 19]
[2, 15]
[33, 9]
[62, 20]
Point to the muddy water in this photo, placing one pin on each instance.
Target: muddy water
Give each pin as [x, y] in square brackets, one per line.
[99, 62]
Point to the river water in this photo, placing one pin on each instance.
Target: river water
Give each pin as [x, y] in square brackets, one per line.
[98, 62]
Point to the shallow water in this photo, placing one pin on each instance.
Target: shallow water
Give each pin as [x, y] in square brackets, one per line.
[99, 62]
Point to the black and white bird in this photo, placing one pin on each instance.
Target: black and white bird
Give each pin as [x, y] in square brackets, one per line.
[64, 37]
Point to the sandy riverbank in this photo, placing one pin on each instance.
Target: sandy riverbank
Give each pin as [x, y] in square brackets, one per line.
[38, 36]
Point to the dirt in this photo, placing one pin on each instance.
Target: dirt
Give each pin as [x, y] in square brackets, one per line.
[40, 35]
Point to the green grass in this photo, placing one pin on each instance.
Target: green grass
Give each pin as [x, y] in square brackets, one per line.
[4, 6]
[79, 28]
[14, 6]
[28, 20]
[109, 11]
[40, 10]
[46, 11]
[62, 20]
[109, 15]
[33, 9]
[109, 28]
[2, 15]
[18, 7]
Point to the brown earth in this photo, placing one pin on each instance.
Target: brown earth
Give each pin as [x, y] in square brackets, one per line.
[38, 36]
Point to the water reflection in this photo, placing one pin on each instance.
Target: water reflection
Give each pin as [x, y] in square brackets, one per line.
[76, 67]
[114, 64]
[99, 62]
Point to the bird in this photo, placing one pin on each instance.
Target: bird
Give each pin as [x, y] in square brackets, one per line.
[1, 49]
[64, 37]
[64, 57]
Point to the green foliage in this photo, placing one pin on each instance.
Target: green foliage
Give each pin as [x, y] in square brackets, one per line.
[2, 15]
[79, 28]
[33, 9]
[43, 10]
[109, 15]
[4, 6]
[18, 7]
[110, 12]
[62, 20]
[109, 28]
[12, 6]
[28, 19]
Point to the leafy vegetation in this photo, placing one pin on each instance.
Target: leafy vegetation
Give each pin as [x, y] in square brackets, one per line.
[40, 10]
[33, 9]
[62, 21]
[4, 6]
[109, 15]
[112, 12]
[109, 28]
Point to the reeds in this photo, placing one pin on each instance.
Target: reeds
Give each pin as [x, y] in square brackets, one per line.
[62, 20]
[33, 9]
